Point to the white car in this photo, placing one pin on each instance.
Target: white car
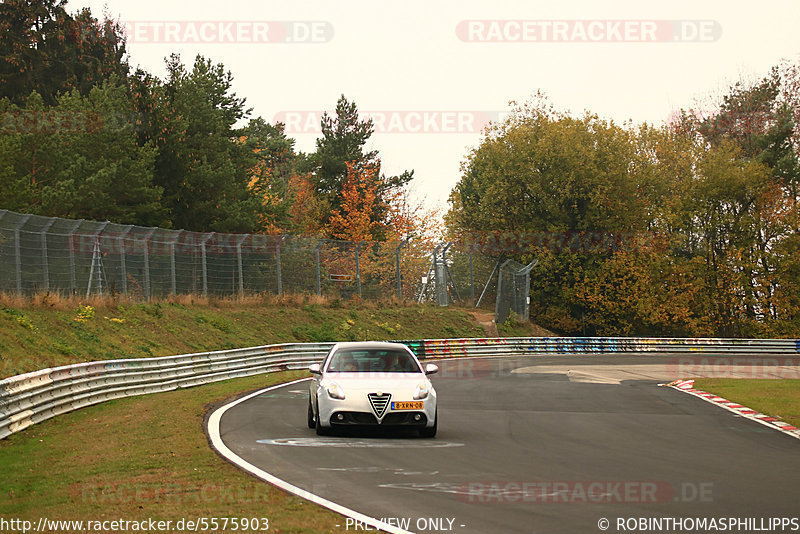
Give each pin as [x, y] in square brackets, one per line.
[372, 383]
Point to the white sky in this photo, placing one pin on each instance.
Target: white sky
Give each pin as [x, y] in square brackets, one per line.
[407, 57]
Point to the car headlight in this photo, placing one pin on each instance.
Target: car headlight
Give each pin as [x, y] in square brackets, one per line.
[421, 392]
[335, 391]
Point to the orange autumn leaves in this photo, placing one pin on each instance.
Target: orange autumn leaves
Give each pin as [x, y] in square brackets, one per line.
[368, 210]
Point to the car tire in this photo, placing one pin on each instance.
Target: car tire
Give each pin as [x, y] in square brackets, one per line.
[312, 421]
[430, 432]
[321, 430]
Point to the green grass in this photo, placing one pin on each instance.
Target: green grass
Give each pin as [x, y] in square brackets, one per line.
[147, 457]
[778, 398]
[34, 337]
[139, 458]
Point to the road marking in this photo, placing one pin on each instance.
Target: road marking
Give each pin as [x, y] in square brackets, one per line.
[335, 443]
[393, 470]
[225, 452]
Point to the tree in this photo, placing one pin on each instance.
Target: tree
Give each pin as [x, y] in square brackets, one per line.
[270, 177]
[761, 118]
[716, 217]
[44, 49]
[101, 172]
[81, 159]
[343, 142]
[202, 166]
[355, 219]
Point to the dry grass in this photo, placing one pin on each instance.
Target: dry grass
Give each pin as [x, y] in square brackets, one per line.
[66, 302]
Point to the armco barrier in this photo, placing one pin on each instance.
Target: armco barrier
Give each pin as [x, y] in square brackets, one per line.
[33, 397]
[443, 348]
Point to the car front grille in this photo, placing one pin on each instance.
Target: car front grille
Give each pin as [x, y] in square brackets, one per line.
[379, 403]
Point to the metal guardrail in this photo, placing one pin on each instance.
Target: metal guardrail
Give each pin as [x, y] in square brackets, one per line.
[443, 348]
[34, 397]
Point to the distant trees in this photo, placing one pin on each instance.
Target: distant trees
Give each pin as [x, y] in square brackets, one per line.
[700, 216]
[45, 49]
[341, 152]
[85, 137]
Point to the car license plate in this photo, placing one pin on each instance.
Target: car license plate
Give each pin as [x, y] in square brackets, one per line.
[407, 406]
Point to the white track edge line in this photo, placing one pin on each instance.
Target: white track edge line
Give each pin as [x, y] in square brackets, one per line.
[224, 451]
[767, 424]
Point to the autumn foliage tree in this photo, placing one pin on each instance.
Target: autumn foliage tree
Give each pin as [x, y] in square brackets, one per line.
[355, 219]
[713, 195]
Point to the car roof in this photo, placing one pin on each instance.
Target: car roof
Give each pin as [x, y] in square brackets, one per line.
[386, 345]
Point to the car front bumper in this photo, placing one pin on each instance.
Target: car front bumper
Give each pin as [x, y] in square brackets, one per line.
[356, 410]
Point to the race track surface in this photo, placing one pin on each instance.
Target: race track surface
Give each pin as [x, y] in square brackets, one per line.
[521, 451]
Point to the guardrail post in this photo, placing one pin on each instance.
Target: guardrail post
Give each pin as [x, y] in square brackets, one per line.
[45, 259]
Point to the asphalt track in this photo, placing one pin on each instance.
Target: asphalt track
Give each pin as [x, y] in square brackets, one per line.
[521, 451]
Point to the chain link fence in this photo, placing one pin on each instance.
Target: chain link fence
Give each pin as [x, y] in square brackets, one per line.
[513, 291]
[76, 257]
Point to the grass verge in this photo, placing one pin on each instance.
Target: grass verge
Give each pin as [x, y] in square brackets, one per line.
[778, 398]
[42, 332]
[140, 458]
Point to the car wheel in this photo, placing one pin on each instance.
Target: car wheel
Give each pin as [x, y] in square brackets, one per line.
[321, 431]
[312, 422]
[430, 432]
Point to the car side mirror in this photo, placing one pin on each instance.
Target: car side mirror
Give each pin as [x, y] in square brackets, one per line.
[431, 369]
[315, 369]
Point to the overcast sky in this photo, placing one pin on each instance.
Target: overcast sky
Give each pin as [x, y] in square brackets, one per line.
[433, 72]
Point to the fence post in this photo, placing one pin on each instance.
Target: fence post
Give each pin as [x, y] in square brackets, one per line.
[358, 270]
[431, 269]
[72, 278]
[440, 274]
[239, 267]
[172, 269]
[147, 263]
[397, 264]
[498, 299]
[45, 259]
[122, 265]
[278, 264]
[316, 261]
[471, 278]
[203, 259]
[97, 261]
[18, 253]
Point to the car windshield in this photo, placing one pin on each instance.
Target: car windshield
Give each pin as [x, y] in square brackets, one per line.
[372, 361]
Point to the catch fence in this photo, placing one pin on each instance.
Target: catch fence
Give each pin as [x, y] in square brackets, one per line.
[84, 258]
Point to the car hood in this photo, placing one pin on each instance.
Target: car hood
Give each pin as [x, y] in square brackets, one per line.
[376, 382]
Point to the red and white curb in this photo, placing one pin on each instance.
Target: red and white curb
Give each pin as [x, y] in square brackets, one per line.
[687, 386]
